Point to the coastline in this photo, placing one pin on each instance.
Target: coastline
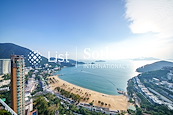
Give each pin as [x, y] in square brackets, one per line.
[113, 102]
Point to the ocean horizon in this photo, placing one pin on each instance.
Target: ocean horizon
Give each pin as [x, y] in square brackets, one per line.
[104, 77]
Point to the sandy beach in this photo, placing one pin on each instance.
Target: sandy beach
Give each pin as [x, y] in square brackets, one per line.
[113, 102]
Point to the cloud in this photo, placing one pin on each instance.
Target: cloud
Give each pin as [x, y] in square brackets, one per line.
[139, 47]
[154, 16]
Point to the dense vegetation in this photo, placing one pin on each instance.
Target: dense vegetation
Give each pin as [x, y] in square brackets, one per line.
[7, 96]
[4, 112]
[154, 66]
[146, 79]
[67, 94]
[153, 109]
[49, 104]
[160, 74]
[145, 105]
[6, 76]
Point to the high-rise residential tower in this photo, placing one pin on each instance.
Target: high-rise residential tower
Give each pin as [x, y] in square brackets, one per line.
[18, 84]
[5, 66]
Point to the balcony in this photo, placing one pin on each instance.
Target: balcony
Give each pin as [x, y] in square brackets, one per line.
[18, 99]
[18, 78]
[19, 111]
[19, 104]
[18, 83]
[18, 95]
[18, 89]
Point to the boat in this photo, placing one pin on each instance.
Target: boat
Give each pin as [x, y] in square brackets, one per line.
[60, 74]
[120, 91]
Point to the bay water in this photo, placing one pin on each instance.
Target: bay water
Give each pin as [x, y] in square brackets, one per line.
[104, 77]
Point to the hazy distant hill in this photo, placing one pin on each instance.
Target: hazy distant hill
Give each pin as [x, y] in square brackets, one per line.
[8, 49]
[145, 58]
[100, 61]
[69, 63]
[154, 66]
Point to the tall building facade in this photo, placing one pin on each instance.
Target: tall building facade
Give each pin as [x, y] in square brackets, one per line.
[5, 66]
[18, 84]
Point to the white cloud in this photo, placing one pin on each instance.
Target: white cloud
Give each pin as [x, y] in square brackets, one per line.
[140, 46]
[151, 16]
[143, 46]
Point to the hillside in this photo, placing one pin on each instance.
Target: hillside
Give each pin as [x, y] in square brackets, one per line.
[8, 49]
[154, 66]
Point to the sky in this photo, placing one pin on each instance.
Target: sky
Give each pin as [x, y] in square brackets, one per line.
[90, 29]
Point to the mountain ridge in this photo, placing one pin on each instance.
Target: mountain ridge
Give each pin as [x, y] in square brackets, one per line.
[8, 49]
[154, 66]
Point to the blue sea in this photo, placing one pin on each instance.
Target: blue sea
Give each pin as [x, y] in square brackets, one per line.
[104, 77]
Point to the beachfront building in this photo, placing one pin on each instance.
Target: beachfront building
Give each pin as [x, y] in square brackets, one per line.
[18, 84]
[5, 66]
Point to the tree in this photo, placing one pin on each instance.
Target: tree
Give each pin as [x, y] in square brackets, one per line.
[138, 111]
[41, 105]
[6, 76]
[91, 103]
[57, 101]
[4, 112]
[102, 103]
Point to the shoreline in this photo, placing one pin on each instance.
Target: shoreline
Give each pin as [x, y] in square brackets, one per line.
[113, 102]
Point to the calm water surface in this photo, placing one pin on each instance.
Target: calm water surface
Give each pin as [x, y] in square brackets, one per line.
[104, 77]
